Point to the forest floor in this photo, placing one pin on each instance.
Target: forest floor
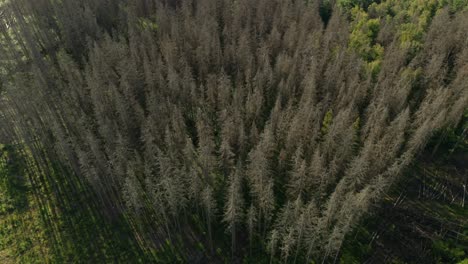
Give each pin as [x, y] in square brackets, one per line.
[424, 219]
[22, 235]
[45, 225]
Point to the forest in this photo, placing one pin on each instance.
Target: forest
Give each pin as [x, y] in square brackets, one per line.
[233, 131]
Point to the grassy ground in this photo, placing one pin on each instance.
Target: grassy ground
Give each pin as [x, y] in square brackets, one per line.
[22, 234]
[47, 222]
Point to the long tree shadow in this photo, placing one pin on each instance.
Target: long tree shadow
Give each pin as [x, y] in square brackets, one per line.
[12, 182]
[76, 229]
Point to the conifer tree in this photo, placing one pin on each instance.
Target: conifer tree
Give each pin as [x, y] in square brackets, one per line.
[233, 212]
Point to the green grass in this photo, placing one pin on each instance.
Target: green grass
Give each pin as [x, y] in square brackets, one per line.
[56, 220]
[22, 235]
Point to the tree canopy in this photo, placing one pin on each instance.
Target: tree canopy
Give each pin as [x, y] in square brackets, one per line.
[256, 120]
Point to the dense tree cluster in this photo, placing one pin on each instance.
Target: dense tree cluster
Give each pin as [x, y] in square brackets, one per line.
[265, 118]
